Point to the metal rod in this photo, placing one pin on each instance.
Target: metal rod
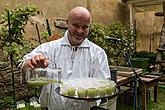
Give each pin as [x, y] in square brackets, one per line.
[126, 56]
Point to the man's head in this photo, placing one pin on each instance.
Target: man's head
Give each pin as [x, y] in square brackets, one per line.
[78, 25]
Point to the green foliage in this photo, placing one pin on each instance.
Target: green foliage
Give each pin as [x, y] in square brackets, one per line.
[127, 43]
[6, 102]
[145, 54]
[45, 35]
[117, 30]
[97, 34]
[28, 107]
[14, 43]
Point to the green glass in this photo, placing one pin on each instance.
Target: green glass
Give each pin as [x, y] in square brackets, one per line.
[71, 91]
[101, 92]
[81, 92]
[91, 92]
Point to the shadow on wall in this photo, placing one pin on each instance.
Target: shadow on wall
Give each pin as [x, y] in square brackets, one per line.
[122, 10]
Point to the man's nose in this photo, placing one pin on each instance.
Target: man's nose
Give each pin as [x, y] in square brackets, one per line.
[80, 30]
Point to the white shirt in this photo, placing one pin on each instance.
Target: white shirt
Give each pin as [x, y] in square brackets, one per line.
[88, 60]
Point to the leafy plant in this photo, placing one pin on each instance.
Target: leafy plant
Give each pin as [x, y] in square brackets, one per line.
[6, 102]
[146, 54]
[11, 35]
[127, 45]
[11, 39]
[114, 50]
[97, 35]
[45, 35]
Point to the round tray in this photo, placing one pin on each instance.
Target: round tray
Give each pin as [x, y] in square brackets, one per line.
[86, 98]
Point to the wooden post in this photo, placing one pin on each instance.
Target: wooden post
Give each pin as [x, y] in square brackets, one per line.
[88, 5]
[164, 11]
[48, 27]
[131, 15]
[39, 38]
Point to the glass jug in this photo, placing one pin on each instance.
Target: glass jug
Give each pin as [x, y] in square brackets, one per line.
[44, 76]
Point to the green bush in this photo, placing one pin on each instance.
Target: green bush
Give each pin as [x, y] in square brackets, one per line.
[12, 40]
[97, 34]
[146, 54]
[117, 30]
[127, 45]
[6, 102]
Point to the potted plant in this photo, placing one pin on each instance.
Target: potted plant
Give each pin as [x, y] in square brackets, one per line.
[144, 60]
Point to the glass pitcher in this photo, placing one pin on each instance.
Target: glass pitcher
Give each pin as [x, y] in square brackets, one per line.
[44, 76]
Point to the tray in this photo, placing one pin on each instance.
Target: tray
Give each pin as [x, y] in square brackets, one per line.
[86, 98]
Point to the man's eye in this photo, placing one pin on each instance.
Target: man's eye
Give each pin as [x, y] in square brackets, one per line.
[76, 25]
[85, 27]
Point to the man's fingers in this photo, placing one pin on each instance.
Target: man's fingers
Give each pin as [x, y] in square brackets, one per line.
[39, 61]
[43, 61]
[31, 66]
[34, 63]
[46, 61]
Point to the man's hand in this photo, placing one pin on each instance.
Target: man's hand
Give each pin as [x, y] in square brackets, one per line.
[36, 62]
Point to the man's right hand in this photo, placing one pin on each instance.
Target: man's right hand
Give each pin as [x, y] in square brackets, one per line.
[36, 62]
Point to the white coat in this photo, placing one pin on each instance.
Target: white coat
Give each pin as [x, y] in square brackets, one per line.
[89, 60]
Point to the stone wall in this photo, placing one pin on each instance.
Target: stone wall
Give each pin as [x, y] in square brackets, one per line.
[103, 11]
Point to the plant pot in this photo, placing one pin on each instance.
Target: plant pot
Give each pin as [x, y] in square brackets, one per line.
[139, 62]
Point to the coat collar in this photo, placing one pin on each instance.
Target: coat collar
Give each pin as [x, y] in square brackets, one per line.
[66, 42]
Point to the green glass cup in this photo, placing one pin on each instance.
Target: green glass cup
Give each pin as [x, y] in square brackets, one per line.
[71, 91]
[101, 92]
[81, 92]
[109, 90]
[64, 91]
[91, 92]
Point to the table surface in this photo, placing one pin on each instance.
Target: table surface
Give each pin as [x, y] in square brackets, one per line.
[127, 71]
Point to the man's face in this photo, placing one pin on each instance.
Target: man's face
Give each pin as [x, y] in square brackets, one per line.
[78, 30]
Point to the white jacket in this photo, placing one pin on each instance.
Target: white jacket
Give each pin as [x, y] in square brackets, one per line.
[89, 60]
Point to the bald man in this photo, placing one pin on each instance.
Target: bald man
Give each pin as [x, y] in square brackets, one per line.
[75, 55]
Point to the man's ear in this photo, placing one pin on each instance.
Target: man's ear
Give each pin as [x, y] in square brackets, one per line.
[67, 21]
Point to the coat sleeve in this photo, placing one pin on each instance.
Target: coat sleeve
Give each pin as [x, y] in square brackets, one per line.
[41, 49]
[100, 66]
